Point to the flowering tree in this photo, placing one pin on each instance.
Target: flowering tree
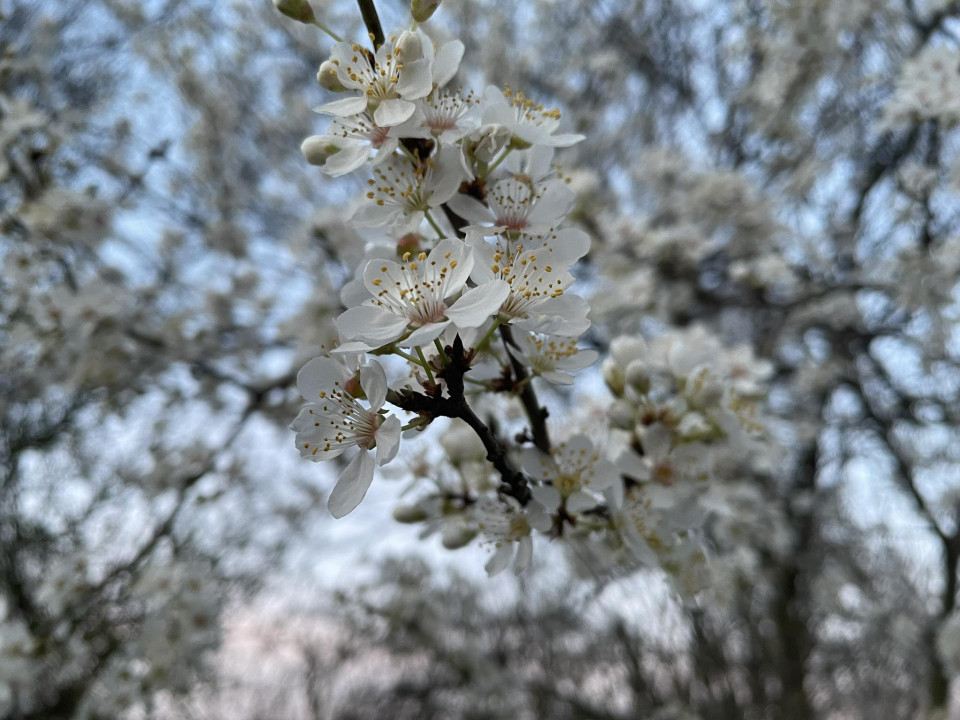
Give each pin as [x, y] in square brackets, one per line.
[743, 221]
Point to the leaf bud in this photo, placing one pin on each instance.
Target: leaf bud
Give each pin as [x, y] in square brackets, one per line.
[423, 9]
[298, 10]
[456, 535]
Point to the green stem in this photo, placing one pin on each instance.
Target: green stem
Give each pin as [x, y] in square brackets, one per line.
[433, 224]
[407, 356]
[443, 353]
[499, 160]
[327, 30]
[426, 366]
[485, 340]
[416, 422]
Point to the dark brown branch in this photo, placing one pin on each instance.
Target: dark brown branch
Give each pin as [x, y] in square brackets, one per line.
[455, 406]
[372, 21]
[536, 413]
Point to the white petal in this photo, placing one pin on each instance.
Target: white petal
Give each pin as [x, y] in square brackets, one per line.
[415, 80]
[388, 440]
[447, 62]
[546, 495]
[347, 160]
[566, 140]
[477, 305]
[352, 486]
[343, 108]
[373, 380]
[569, 245]
[580, 501]
[555, 202]
[425, 334]
[445, 180]
[537, 464]
[524, 555]
[443, 255]
[557, 378]
[470, 209]
[372, 325]
[321, 373]
[657, 442]
[393, 112]
[501, 558]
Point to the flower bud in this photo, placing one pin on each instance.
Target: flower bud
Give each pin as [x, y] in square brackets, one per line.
[703, 388]
[298, 10]
[317, 149]
[456, 535]
[409, 243]
[409, 514]
[409, 46]
[327, 77]
[489, 141]
[423, 9]
[622, 415]
[625, 348]
[637, 376]
[613, 376]
[694, 426]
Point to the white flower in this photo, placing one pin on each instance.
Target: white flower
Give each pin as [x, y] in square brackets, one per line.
[508, 526]
[517, 205]
[553, 358]
[414, 296]
[571, 474]
[401, 193]
[443, 115]
[353, 138]
[403, 70]
[537, 279]
[388, 85]
[336, 420]
[528, 121]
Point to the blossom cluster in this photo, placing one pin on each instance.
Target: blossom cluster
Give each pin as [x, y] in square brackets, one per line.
[469, 293]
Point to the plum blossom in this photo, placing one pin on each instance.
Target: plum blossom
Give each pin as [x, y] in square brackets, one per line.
[414, 296]
[570, 475]
[517, 205]
[508, 527]
[349, 142]
[552, 358]
[404, 69]
[335, 420]
[400, 194]
[537, 279]
[530, 122]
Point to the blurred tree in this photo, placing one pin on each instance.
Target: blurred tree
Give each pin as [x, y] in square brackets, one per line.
[775, 176]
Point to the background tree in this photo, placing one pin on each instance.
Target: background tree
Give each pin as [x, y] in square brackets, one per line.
[778, 175]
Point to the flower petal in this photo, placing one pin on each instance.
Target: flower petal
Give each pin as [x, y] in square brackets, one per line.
[320, 374]
[372, 325]
[479, 304]
[343, 108]
[501, 558]
[393, 112]
[447, 62]
[416, 80]
[352, 486]
[524, 555]
[373, 380]
[388, 440]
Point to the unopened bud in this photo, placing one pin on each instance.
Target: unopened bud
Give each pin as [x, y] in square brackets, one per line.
[423, 9]
[613, 376]
[409, 514]
[637, 376]
[317, 149]
[625, 348]
[298, 10]
[327, 77]
[694, 426]
[409, 243]
[409, 46]
[622, 415]
[457, 534]
[489, 141]
[703, 388]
